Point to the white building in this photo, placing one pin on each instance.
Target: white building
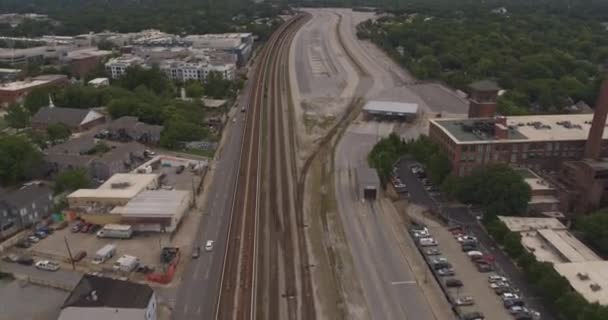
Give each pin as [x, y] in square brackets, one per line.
[99, 82]
[198, 71]
[117, 67]
[105, 298]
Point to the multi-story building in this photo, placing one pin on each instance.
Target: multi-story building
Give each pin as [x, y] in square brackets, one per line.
[16, 91]
[83, 61]
[117, 67]
[540, 142]
[20, 57]
[240, 44]
[197, 71]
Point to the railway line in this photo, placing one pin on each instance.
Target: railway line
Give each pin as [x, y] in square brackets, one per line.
[264, 243]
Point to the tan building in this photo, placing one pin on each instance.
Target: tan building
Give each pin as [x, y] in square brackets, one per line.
[117, 191]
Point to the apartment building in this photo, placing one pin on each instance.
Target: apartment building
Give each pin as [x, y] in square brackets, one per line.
[197, 71]
[117, 67]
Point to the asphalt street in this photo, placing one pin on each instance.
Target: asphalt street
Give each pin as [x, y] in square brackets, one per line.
[463, 216]
[389, 284]
[198, 291]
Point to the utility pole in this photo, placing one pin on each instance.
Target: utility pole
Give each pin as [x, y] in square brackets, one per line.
[67, 246]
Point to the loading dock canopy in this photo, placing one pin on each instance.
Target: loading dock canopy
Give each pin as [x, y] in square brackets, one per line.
[388, 108]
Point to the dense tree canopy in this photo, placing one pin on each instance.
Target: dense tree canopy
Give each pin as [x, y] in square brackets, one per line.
[497, 188]
[179, 17]
[594, 229]
[545, 61]
[70, 180]
[19, 160]
[17, 117]
[57, 132]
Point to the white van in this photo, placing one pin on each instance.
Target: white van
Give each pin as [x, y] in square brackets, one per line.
[104, 254]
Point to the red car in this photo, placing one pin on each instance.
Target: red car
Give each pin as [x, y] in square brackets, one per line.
[85, 228]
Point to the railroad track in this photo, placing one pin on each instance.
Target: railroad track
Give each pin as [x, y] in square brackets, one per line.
[237, 296]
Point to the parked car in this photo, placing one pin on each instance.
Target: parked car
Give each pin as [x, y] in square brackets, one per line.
[466, 237]
[33, 239]
[473, 316]
[497, 278]
[25, 260]
[453, 283]
[47, 265]
[509, 296]
[517, 309]
[499, 284]
[468, 248]
[11, 258]
[483, 266]
[94, 228]
[23, 244]
[501, 290]
[76, 226]
[40, 234]
[433, 252]
[464, 301]
[446, 272]
[513, 302]
[79, 256]
[85, 228]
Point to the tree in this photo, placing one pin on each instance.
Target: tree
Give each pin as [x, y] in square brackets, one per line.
[19, 160]
[496, 187]
[58, 131]
[594, 229]
[178, 130]
[216, 86]
[36, 99]
[194, 89]
[73, 179]
[78, 96]
[17, 117]
[512, 244]
[439, 167]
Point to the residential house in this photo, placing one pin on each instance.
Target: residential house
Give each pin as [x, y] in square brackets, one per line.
[23, 207]
[76, 119]
[130, 129]
[106, 298]
[122, 158]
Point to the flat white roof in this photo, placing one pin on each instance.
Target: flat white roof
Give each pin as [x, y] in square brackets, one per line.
[20, 85]
[120, 185]
[569, 247]
[390, 108]
[157, 203]
[519, 224]
[597, 273]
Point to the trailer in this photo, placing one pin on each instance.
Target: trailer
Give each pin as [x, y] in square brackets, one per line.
[104, 254]
[118, 231]
[126, 263]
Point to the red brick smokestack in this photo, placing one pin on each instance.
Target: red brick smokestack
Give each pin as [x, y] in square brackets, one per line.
[593, 147]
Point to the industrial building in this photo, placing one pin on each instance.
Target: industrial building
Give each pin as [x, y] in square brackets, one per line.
[388, 109]
[368, 183]
[550, 241]
[157, 211]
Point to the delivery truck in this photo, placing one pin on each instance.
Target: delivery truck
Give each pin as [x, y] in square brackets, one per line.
[117, 231]
[104, 254]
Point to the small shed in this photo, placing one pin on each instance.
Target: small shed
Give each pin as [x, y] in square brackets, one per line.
[368, 183]
[390, 109]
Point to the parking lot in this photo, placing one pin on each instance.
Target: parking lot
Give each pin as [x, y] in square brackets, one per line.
[445, 251]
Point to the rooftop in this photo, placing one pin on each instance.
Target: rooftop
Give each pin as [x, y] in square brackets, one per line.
[390, 108]
[71, 117]
[25, 194]
[584, 276]
[368, 176]
[534, 128]
[87, 53]
[535, 182]
[569, 247]
[519, 224]
[93, 291]
[120, 185]
[156, 203]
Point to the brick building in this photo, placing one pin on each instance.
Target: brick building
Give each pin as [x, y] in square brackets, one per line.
[83, 61]
[16, 91]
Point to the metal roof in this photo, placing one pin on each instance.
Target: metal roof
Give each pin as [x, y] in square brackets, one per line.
[390, 108]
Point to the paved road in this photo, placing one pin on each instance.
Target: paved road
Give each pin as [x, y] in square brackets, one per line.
[388, 283]
[462, 215]
[197, 294]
